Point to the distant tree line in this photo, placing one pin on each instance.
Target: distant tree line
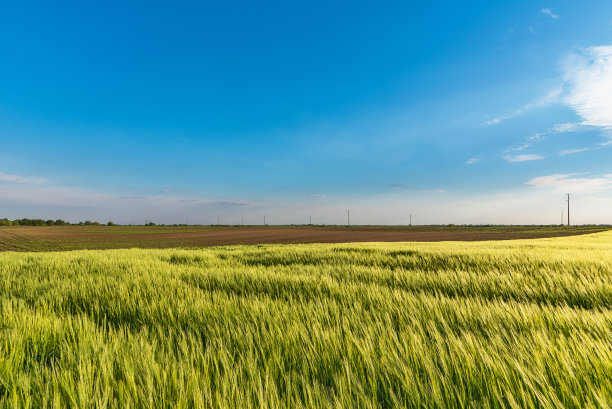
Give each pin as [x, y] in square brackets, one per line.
[41, 222]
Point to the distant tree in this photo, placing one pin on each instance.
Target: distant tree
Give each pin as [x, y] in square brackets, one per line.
[60, 222]
[30, 222]
[110, 224]
[150, 224]
[95, 224]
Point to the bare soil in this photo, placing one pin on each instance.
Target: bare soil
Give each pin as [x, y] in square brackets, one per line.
[49, 238]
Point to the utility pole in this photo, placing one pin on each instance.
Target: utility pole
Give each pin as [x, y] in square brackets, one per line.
[410, 222]
[217, 220]
[348, 217]
[568, 210]
[561, 217]
[243, 220]
[310, 221]
[264, 219]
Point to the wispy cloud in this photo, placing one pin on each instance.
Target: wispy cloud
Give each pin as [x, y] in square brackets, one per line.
[20, 179]
[68, 197]
[548, 99]
[227, 203]
[213, 202]
[133, 197]
[471, 161]
[568, 183]
[588, 79]
[549, 13]
[523, 158]
[501, 118]
[398, 186]
[530, 140]
[521, 147]
[587, 88]
[570, 151]
[536, 137]
[568, 127]
[170, 191]
[317, 196]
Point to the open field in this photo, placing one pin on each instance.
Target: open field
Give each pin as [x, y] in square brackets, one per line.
[52, 238]
[523, 323]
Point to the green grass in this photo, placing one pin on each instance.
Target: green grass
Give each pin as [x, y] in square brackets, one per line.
[424, 325]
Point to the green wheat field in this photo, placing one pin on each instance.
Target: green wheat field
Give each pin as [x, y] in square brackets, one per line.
[505, 324]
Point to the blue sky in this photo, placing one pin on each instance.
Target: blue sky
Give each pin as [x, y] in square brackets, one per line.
[478, 112]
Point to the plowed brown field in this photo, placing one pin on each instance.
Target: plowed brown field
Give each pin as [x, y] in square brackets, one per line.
[49, 238]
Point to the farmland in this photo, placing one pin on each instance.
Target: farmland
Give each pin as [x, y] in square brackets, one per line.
[514, 323]
[56, 238]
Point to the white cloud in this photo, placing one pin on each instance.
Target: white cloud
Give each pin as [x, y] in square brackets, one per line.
[519, 148]
[550, 98]
[568, 127]
[523, 158]
[587, 89]
[549, 13]
[317, 196]
[20, 179]
[498, 119]
[471, 161]
[567, 183]
[588, 78]
[570, 151]
[536, 137]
